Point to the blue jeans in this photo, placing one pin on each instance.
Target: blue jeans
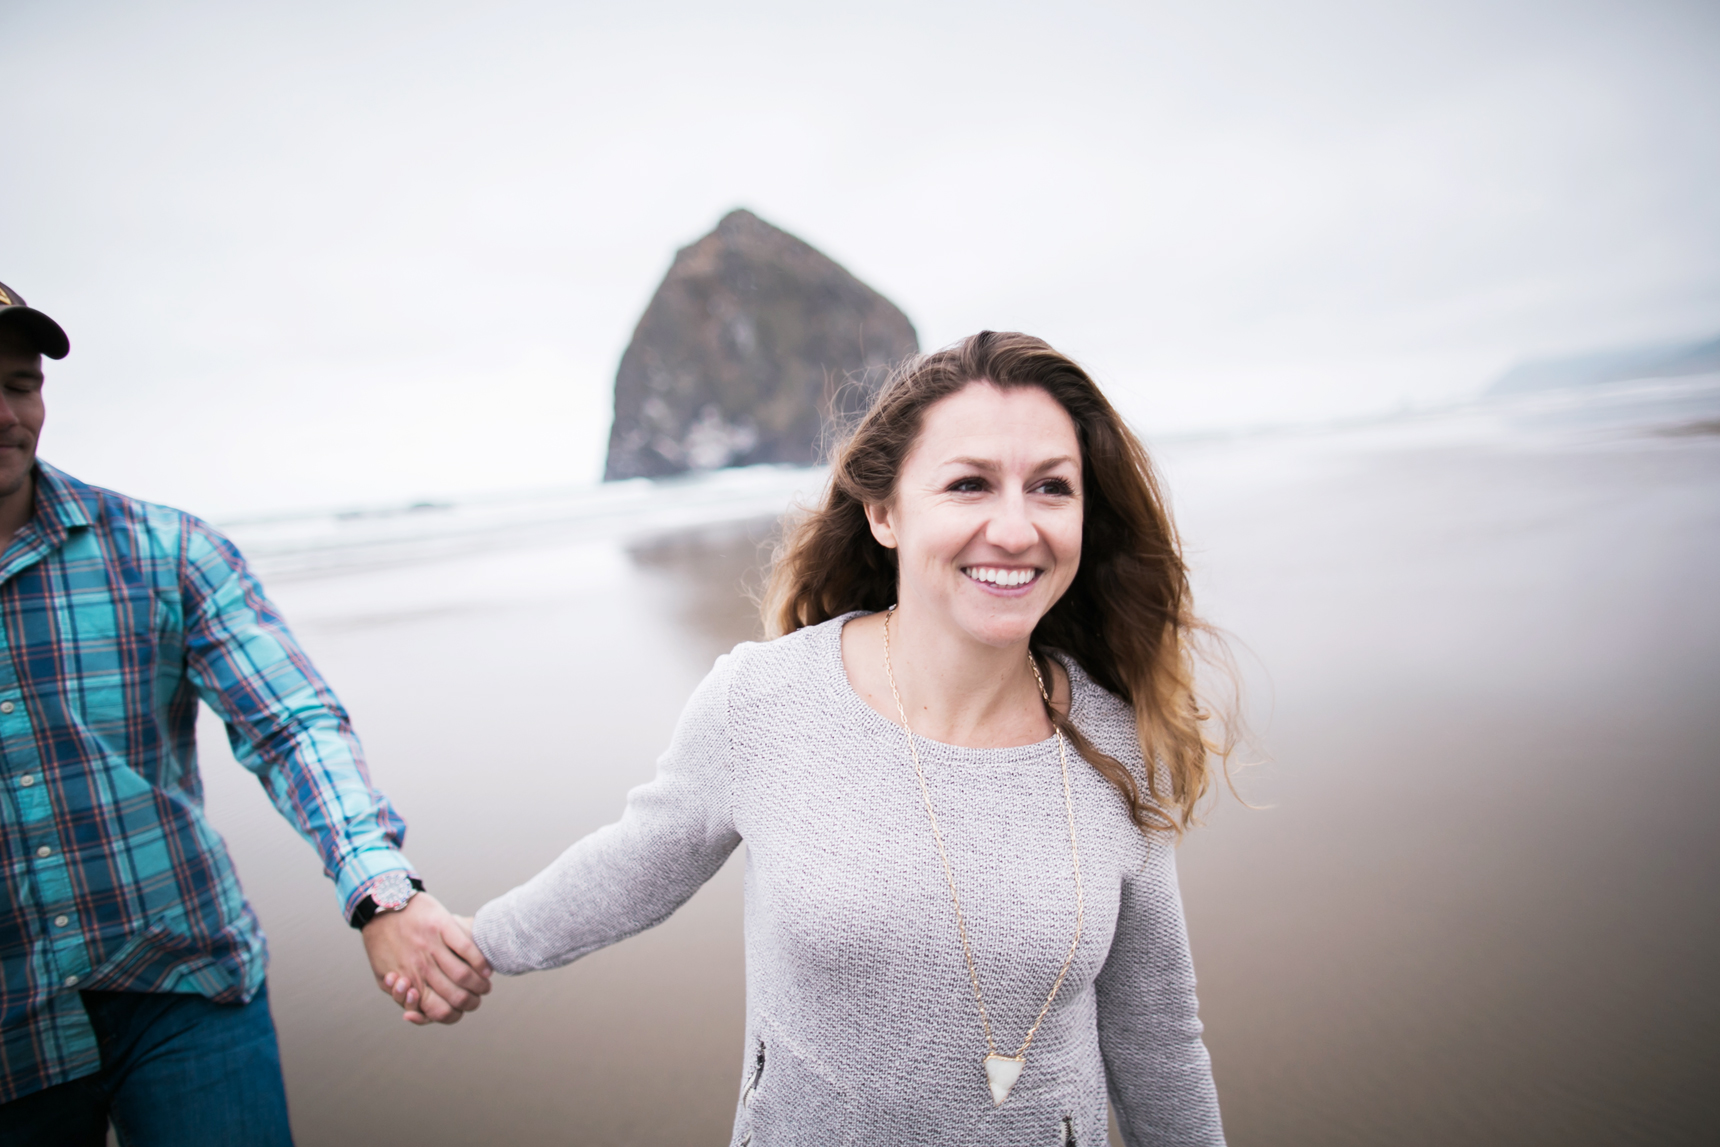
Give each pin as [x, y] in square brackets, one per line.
[176, 1070]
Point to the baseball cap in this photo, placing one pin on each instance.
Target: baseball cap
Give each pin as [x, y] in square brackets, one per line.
[49, 338]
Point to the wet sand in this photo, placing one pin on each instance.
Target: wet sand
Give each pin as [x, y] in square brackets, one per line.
[1483, 666]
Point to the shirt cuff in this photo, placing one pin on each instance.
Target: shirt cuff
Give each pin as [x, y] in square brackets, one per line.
[364, 869]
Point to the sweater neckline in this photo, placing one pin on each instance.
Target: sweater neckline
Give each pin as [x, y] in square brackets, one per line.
[854, 706]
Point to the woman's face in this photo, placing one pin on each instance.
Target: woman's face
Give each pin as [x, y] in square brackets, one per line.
[986, 520]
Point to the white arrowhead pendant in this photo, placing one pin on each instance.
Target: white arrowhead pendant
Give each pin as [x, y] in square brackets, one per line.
[1001, 1071]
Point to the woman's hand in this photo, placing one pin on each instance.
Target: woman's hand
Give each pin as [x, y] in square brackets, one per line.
[436, 977]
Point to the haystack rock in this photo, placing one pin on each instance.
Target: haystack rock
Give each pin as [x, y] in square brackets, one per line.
[749, 350]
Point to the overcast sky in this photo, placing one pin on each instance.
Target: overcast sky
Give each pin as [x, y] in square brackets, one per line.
[318, 253]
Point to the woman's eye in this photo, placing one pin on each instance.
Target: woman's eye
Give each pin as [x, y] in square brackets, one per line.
[967, 486]
[1056, 487]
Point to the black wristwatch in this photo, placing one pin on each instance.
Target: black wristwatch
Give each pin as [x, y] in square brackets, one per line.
[390, 894]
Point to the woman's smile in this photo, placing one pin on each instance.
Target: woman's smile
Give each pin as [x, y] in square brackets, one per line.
[1006, 580]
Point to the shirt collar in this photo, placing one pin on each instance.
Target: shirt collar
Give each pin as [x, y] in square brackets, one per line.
[62, 502]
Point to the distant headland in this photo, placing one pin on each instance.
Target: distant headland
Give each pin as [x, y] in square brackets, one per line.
[753, 347]
[1671, 360]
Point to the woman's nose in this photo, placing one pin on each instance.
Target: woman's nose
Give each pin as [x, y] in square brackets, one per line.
[1010, 528]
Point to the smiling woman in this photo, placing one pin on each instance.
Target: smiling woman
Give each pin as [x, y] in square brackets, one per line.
[1006, 466]
[962, 916]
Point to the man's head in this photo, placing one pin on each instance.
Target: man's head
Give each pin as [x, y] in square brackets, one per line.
[26, 334]
[21, 410]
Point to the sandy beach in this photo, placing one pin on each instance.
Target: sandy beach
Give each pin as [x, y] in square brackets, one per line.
[1481, 649]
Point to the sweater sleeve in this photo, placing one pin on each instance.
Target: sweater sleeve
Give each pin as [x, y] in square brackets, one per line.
[1156, 1066]
[674, 834]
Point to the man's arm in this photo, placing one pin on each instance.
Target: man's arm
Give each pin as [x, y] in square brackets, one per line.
[286, 726]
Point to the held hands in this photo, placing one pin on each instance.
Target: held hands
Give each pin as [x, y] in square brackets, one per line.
[424, 957]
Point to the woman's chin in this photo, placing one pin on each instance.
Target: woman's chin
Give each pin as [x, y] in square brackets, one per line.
[1003, 627]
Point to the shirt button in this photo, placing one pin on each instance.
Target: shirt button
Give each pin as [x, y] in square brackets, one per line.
[7, 706]
[62, 921]
[44, 852]
[27, 779]
[70, 980]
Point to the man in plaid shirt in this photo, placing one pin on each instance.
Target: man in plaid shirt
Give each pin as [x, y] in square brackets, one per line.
[131, 967]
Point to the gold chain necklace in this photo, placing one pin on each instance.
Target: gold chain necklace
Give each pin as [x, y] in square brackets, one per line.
[1001, 1071]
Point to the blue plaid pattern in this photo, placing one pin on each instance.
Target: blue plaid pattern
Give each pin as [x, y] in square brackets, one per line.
[116, 617]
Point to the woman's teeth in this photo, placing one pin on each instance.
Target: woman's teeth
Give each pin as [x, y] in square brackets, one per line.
[1000, 577]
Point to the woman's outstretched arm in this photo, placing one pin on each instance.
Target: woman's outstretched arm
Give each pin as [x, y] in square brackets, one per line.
[675, 833]
[1156, 1065]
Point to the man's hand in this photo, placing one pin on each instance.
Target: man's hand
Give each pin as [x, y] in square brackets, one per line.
[425, 960]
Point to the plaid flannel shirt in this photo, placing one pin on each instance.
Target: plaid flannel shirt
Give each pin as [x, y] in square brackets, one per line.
[116, 617]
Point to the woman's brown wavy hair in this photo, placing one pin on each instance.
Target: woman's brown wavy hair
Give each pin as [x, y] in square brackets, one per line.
[1127, 618]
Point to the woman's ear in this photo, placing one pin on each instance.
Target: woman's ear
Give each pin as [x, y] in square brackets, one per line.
[878, 517]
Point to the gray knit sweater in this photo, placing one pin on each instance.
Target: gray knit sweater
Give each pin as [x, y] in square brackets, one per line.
[861, 1026]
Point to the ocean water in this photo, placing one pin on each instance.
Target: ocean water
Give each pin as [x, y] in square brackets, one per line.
[1473, 901]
